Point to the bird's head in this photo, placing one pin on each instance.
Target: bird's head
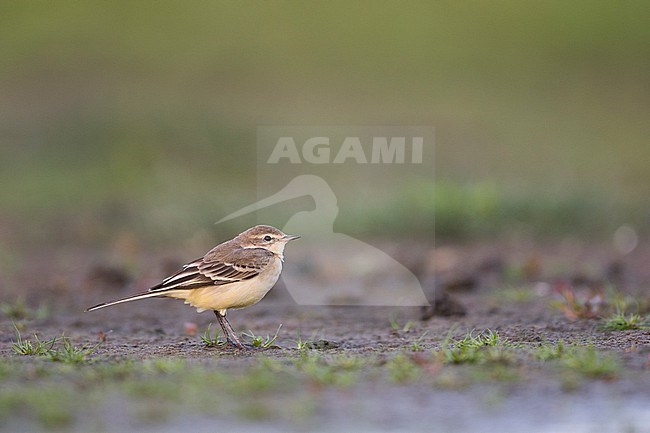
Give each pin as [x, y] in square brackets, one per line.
[266, 237]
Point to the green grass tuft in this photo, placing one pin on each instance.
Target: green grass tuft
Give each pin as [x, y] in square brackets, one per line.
[592, 363]
[416, 345]
[548, 351]
[338, 370]
[65, 352]
[70, 354]
[396, 327]
[264, 342]
[308, 344]
[486, 346]
[619, 321]
[211, 341]
[402, 369]
[29, 348]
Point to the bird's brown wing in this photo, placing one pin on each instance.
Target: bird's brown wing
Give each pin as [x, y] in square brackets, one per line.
[216, 268]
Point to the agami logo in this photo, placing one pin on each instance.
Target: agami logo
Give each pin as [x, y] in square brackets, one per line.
[374, 150]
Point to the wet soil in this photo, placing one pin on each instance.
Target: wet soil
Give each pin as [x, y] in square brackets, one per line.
[512, 289]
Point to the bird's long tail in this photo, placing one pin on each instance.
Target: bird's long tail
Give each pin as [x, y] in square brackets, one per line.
[128, 299]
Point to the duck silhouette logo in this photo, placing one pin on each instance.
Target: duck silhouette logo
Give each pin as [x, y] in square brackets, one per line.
[329, 268]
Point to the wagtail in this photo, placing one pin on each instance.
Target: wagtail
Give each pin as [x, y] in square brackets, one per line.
[234, 274]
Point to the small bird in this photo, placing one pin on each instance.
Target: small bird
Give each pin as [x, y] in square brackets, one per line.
[232, 275]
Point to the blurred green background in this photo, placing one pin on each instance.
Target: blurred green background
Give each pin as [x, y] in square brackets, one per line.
[141, 116]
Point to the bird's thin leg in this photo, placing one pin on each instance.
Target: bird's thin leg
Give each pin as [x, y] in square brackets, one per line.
[231, 336]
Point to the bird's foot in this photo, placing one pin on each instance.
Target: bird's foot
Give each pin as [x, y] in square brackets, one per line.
[234, 341]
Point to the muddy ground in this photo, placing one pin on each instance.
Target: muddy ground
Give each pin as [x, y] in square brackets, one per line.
[338, 368]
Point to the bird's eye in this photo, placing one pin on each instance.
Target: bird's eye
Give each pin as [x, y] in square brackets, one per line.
[268, 238]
